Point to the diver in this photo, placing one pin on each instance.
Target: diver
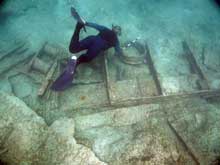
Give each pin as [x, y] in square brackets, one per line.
[94, 44]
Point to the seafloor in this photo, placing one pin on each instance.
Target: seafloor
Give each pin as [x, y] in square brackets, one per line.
[158, 104]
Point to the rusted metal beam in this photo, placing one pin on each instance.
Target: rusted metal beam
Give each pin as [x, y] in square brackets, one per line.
[194, 67]
[153, 70]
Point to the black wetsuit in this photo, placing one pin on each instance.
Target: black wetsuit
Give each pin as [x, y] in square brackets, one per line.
[93, 44]
[106, 39]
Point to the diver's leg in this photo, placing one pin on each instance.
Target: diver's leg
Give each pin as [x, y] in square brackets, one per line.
[87, 42]
[77, 46]
[89, 56]
[74, 46]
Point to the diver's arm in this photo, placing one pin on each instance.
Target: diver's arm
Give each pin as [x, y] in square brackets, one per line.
[118, 50]
[96, 26]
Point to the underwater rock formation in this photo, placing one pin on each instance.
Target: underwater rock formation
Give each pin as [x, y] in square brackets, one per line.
[62, 148]
[22, 131]
[26, 139]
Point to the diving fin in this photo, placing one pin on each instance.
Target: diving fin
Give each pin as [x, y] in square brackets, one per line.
[77, 17]
[65, 79]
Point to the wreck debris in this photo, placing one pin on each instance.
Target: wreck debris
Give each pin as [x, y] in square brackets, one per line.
[12, 51]
[203, 55]
[53, 97]
[183, 143]
[153, 70]
[48, 78]
[3, 151]
[194, 67]
[55, 51]
[38, 65]
[8, 61]
[134, 54]
[161, 98]
[107, 79]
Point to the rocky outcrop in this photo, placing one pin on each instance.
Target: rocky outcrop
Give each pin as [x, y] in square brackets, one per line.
[22, 131]
[61, 148]
[26, 139]
[135, 135]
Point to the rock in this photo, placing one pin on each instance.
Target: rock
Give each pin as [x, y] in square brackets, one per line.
[28, 140]
[148, 149]
[134, 135]
[22, 131]
[197, 123]
[61, 147]
[22, 85]
[5, 86]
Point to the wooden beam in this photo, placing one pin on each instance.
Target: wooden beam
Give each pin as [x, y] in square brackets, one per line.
[158, 99]
[48, 78]
[194, 67]
[153, 70]
[107, 79]
[149, 100]
[3, 151]
[9, 63]
[183, 143]
[12, 51]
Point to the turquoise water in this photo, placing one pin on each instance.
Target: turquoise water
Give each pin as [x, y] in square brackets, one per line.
[172, 72]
